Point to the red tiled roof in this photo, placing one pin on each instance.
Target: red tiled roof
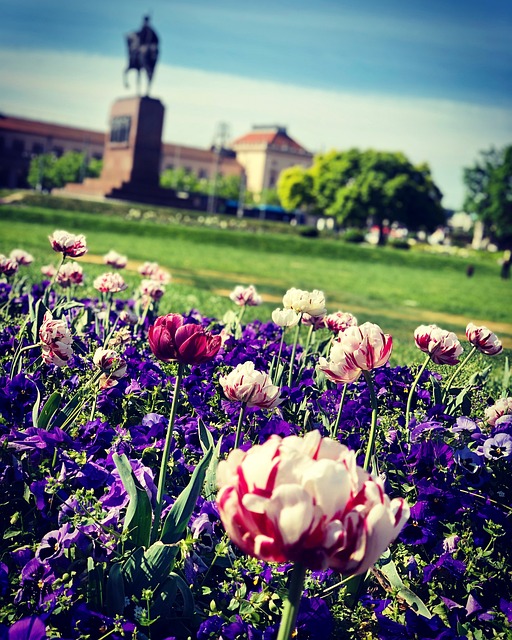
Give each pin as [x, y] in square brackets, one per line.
[274, 139]
[46, 129]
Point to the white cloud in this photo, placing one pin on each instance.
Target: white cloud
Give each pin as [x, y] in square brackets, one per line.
[79, 89]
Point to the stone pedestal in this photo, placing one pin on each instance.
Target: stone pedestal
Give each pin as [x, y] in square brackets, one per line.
[133, 143]
[131, 159]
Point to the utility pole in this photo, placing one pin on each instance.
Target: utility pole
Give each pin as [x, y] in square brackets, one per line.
[219, 143]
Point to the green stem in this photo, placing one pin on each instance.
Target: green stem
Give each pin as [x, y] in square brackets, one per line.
[17, 356]
[373, 429]
[411, 393]
[292, 602]
[239, 425]
[165, 455]
[334, 430]
[308, 341]
[278, 359]
[294, 349]
[457, 369]
[46, 294]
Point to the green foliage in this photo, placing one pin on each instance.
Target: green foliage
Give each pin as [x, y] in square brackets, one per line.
[48, 172]
[182, 180]
[355, 185]
[355, 236]
[489, 192]
[269, 196]
[295, 188]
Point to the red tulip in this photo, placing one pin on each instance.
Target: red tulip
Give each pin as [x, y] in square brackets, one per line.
[171, 339]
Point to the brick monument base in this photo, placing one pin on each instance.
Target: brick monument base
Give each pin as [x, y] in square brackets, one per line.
[131, 159]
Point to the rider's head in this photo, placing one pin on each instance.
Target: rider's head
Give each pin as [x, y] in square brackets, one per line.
[146, 20]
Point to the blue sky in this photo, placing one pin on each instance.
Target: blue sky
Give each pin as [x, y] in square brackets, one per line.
[432, 79]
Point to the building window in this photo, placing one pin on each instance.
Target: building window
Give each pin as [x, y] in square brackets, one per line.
[120, 129]
[272, 179]
[37, 148]
[18, 146]
[202, 174]
[57, 151]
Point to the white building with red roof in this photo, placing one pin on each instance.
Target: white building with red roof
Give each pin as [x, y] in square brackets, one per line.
[264, 152]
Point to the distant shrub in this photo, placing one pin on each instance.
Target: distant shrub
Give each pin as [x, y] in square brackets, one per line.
[309, 232]
[353, 235]
[399, 243]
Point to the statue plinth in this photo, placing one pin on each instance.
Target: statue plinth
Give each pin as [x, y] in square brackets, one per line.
[134, 142]
[131, 159]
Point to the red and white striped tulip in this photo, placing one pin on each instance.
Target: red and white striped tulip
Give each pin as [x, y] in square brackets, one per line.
[305, 500]
[484, 340]
[56, 340]
[253, 388]
[110, 283]
[246, 296]
[442, 346]
[69, 244]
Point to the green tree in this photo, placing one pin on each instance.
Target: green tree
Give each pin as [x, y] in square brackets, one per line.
[295, 188]
[41, 172]
[182, 180]
[489, 193]
[354, 186]
[48, 172]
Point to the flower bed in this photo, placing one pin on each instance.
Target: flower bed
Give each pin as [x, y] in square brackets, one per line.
[191, 477]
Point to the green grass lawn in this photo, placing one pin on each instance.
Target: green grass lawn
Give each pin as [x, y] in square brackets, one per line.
[396, 289]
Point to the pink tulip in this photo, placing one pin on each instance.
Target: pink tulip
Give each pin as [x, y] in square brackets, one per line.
[21, 257]
[253, 388]
[151, 289]
[305, 500]
[339, 321]
[115, 260]
[152, 271]
[110, 362]
[500, 408]
[110, 283]
[48, 270]
[8, 266]
[245, 296]
[71, 273]
[171, 339]
[483, 339]
[316, 322]
[442, 346]
[69, 244]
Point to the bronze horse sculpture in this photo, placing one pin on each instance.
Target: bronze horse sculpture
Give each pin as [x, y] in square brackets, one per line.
[142, 54]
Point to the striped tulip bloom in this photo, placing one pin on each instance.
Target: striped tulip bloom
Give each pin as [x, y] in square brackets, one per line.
[484, 340]
[442, 346]
[304, 499]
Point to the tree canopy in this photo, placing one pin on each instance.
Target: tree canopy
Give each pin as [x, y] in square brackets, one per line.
[48, 172]
[489, 193]
[355, 185]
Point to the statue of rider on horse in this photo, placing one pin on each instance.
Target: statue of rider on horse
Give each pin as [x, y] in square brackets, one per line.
[142, 53]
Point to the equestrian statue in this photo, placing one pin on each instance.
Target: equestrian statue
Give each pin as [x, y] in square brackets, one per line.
[142, 53]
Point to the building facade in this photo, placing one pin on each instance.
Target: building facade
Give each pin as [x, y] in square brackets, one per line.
[259, 156]
[265, 152]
